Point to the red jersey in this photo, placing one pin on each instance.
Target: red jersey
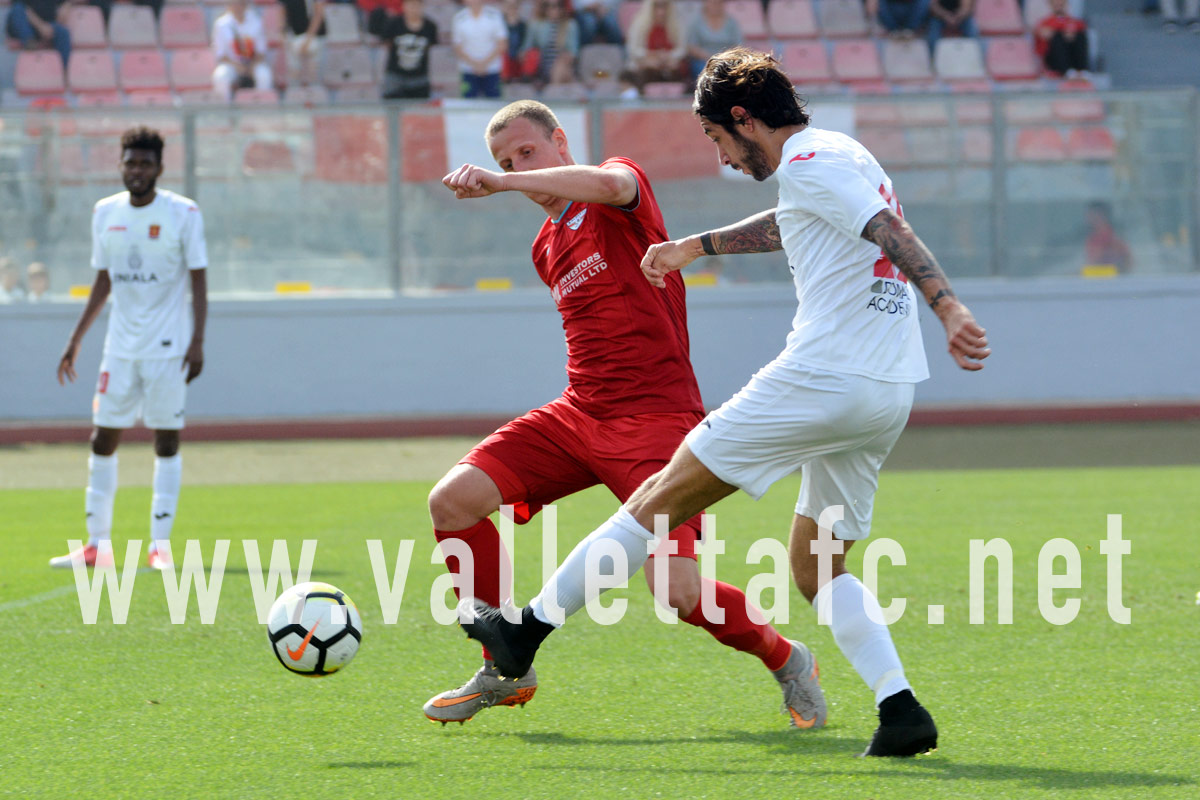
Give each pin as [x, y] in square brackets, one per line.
[1057, 24]
[627, 341]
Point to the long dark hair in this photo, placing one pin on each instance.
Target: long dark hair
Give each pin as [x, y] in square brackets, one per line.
[755, 81]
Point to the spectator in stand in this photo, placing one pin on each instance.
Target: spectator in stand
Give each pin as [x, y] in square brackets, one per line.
[518, 28]
[712, 31]
[303, 39]
[10, 282]
[409, 37]
[900, 18]
[656, 45]
[37, 22]
[598, 21]
[38, 281]
[480, 38]
[241, 49]
[377, 12]
[1061, 41]
[554, 36]
[1103, 247]
[1191, 12]
[951, 18]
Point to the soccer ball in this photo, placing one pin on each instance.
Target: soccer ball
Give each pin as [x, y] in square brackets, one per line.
[314, 629]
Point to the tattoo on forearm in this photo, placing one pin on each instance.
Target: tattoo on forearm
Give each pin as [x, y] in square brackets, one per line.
[910, 255]
[757, 234]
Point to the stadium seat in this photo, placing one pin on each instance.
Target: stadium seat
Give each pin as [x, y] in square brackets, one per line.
[1011, 58]
[91, 71]
[807, 63]
[973, 112]
[1092, 143]
[267, 157]
[876, 115]
[857, 60]
[1079, 109]
[183, 26]
[527, 91]
[600, 61]
[999, 18]
[888, 145]
[192, 69]
[306, 96]
[1028, 111]
[906, 60]
[572, 92]
[99, 100]
[792, 19]
[976, 145]
[39, 72]
[132, 26]
[959, 60]
[443, 70]
[341, 24]
[348, 66]
[977, 86]
[86, 24]
[843, 18]
[144, 70]
[256, 97]
[1040, 144]
[160, 98]
[749, 15]
[926, 114]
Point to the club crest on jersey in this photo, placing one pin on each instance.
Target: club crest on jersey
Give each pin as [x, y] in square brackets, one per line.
[574, 222]
[154, 231]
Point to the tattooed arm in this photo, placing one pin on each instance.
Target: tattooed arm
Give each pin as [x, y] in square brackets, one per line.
[967, 341]
[757, 234]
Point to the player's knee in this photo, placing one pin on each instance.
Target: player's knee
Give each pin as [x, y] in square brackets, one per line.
[105, 441]
[166, 443]
[681, 591]
[448, 511]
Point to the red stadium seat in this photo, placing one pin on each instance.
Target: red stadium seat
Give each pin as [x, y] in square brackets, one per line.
[1092, 143]
[192, 69]
[348, 66]
[39, 72]
[843, 18]
[267, 157]
[907, 60]
[1079, 109]
[878, 115]
[152, 99]
[99, 100]
[857, 60]
[341, 24]
[183, 26]
[959, 60]
[888, 145]
[132, 26]
[1040, 144]
[91, 71]
[144, 70]
[86, 24]
[749, 15]
[1012, 58]
[792, 19]
[999, 17]
[807, 62]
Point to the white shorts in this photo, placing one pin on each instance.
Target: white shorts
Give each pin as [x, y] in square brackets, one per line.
[153, 388]
[836, 428]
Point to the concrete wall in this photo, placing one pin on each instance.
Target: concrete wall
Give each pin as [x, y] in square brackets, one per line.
[1055, 341]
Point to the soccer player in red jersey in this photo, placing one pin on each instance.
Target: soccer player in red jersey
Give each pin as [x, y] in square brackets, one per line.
[630, 399]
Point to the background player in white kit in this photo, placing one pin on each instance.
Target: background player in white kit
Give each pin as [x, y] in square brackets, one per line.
[832, 404]
[147, 249]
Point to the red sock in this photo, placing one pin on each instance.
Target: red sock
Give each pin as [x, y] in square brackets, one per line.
[487, 555]
[739, 631]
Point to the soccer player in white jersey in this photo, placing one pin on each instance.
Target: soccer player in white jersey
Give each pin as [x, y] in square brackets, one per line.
[147, 250]
[832, 404]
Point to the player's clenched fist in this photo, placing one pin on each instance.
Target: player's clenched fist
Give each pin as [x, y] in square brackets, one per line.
[472, 181]
[669, 256]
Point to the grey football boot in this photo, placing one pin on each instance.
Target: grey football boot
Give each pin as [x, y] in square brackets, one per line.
[800, 679]
[485, 689]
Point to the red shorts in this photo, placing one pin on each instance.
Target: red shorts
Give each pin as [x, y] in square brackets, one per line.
[557, 450]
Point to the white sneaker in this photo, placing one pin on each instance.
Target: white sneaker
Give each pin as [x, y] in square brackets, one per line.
[89, 555]
[486, 688]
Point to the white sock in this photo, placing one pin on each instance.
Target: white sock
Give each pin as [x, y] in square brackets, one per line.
[568, 582]
[866, 643]
[167, 473]
[98, 502]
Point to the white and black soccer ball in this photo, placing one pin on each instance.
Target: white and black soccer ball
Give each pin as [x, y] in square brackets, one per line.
[314, 629]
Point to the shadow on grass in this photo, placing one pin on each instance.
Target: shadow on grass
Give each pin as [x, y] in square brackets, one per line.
[1040, 777]
[371, 765]
[782, 740]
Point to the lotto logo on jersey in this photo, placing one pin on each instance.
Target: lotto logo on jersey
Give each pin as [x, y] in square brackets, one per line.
[155, 230]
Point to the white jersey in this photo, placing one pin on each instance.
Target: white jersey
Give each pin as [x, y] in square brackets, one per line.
[857, 313]
[239, 41]
[148, 251]
[478, 36]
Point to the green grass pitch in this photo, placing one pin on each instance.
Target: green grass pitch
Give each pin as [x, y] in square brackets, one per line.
[1091, 709]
